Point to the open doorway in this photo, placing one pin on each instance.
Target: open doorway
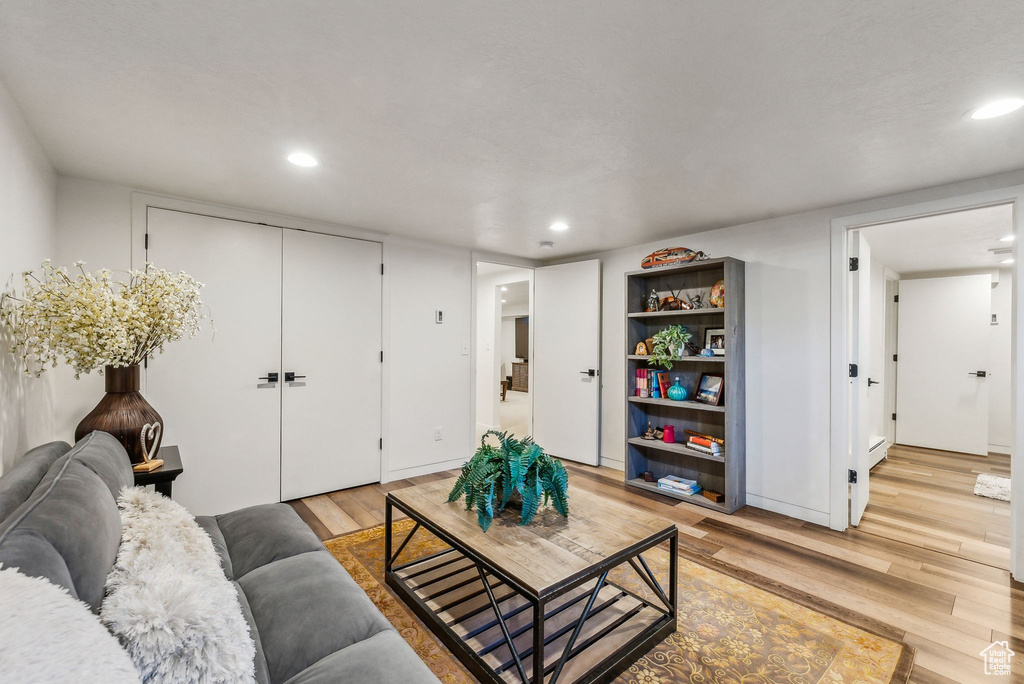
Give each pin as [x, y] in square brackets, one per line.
[930, 333]
[504, 344]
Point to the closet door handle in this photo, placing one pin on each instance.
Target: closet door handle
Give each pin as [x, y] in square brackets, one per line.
[269, 377]
[980, 374]
[290, 376]
[873, 382]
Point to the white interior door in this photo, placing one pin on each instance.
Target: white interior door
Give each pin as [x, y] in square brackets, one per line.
[944, 326]
[215, 408]
[567, 360]
[860, 350]
[331, 413]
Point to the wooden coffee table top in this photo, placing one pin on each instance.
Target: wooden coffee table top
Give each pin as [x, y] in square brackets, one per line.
[551, 550]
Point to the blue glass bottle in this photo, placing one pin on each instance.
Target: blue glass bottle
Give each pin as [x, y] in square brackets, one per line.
[677, 392]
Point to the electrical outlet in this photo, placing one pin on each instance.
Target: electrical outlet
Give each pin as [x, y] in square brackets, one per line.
[437, 434]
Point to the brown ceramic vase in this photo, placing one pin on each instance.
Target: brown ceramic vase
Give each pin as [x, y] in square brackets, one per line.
[125, 414]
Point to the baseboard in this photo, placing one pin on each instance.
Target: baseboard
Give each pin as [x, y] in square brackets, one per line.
[425, 469]
[792, 510]
[999, 449]
[611, 463]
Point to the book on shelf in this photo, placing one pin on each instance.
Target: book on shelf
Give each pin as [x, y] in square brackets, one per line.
[679, 484]
[694, 433]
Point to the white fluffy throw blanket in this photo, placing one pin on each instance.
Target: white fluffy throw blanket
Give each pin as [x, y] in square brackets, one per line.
[168, 600]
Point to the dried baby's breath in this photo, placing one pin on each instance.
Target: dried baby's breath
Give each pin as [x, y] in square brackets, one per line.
[93, 320]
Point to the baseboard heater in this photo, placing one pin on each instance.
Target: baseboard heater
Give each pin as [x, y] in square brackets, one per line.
[877, 450]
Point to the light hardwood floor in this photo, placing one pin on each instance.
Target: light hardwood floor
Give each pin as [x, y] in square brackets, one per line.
[932, 564]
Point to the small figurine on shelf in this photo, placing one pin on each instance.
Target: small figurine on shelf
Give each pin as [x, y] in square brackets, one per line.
[697, 301]
[648, 476]
[717, 298]
[652, 301]
[650, 432]
[641, 349]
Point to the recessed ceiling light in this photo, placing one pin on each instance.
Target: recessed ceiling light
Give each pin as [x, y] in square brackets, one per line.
[504, 289]
[559, 226]
[1008, 238]
[997, 108]
[547, 244]
[1006, 261]
[303, 159]
[502, 301]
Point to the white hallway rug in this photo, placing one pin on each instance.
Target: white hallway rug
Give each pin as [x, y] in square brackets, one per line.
[993, 486]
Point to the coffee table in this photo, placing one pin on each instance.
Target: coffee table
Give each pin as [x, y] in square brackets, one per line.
[483, 595]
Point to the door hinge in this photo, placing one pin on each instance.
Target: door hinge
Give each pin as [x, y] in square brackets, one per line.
[894, 358]
[894, 416]
[382, 269]
[146, 241]
[380, 443]
[854, 263]
[896, 299]
[382, 356]
[853, 477]
[853, 370]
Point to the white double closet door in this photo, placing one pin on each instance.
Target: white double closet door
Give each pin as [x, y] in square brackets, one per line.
[282, 301]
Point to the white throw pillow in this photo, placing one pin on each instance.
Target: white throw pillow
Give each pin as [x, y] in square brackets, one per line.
[168, 600]
[47, 636]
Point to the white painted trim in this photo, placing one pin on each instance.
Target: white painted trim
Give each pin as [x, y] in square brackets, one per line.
[504, 260]
[613, 464]
[838, 517]
[428, 469]
[999, 449]
[793, 511]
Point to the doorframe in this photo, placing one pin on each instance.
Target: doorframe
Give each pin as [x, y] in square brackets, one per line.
[890, 348]
[501, 260]
[839, 353]
[141, 202]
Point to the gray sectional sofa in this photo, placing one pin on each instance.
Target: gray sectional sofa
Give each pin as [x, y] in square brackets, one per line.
[310, 621]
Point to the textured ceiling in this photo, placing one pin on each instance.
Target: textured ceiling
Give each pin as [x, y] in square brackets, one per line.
[945, 242]
[478, 123]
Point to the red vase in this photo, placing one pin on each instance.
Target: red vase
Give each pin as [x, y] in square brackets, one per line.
[125, 414]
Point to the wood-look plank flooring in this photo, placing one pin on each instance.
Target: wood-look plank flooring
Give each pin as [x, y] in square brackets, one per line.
[926, 498]
[923, 568]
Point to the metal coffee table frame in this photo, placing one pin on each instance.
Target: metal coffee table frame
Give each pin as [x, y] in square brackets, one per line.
[603, 671]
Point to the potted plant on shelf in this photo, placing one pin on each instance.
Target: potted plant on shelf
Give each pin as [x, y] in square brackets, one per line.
[97, 323]
[670, 345]
[513, 470]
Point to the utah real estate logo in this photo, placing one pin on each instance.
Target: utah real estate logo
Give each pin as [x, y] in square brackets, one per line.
[997, 658]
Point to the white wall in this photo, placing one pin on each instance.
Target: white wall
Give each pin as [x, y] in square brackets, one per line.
[508, 345]
[788, 344]
[429, 376]
[488, 340]
[27, 236]
[876, 353]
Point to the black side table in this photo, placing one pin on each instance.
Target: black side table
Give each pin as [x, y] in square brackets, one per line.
[162, 477]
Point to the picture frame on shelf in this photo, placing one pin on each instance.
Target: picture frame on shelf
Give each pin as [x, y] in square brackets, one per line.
[710, 389]
[714, 339]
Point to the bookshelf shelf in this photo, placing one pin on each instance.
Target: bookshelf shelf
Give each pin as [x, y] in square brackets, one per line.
[682, 405]
[692, 313]
[725, 473]
[673, 448]
[697, 499]
[685, 359]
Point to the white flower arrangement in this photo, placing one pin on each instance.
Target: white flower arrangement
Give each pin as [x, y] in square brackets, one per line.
[93, 321]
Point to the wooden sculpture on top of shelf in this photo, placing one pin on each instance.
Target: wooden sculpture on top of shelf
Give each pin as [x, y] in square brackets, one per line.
[672, 256]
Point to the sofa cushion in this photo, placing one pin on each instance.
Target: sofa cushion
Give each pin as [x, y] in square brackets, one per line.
[68, 530]
[19, 482]
[305, 608]
[210, 526]
[260, 661]
[259, 535]
[384, 658]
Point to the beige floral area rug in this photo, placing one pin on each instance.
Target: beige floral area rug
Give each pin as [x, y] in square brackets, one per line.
[733, 626]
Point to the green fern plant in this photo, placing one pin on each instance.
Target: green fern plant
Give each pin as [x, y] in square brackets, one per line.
[512, 468]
